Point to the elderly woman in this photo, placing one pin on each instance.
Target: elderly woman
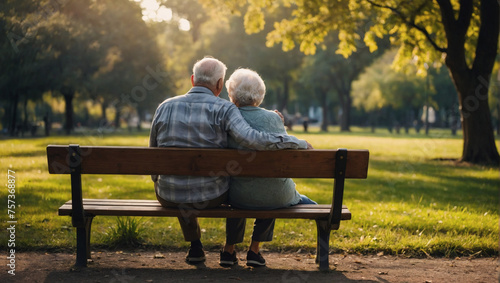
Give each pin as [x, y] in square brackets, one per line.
[247, 90]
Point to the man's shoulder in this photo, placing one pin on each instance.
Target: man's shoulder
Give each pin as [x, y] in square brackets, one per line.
[169, 100]
[172, 100]
[225, 103]
[200, 99]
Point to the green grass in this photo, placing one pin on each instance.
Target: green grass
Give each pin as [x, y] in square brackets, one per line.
[412, 203]
[128, 232]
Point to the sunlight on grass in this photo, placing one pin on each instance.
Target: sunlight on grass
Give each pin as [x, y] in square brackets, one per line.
[412, 203]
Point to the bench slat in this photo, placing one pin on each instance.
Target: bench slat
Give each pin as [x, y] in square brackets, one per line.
[208, 162]
[154, 203]
[138, 202]
[153, 208]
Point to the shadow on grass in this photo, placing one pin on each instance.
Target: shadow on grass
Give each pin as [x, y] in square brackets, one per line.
[421, 183]
[427, 183]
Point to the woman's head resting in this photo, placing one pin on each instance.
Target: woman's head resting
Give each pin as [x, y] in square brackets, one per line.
[246, 88]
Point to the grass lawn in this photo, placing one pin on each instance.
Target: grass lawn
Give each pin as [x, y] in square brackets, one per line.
[414, 201]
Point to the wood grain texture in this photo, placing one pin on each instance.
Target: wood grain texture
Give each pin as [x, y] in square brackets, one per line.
[207, 162]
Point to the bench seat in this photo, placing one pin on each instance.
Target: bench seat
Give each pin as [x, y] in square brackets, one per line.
[132, 207]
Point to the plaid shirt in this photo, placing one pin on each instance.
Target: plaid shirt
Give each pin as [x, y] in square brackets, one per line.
[200, 119]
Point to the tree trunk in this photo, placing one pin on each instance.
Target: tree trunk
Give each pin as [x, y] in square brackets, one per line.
[13, 121]
[472, 83]
[324, 103]
[46, 122]
[286, 92]
[498, 117]
[479, 141]
[68, 99]
[104, 118]
[139, 118]
[25, 116]
[408, 119]
[374, 120]
[390, 114]
[117, 116]
[345, 122]
[453, 121]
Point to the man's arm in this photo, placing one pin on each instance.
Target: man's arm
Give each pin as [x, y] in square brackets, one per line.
[243, 134]
[280, 123]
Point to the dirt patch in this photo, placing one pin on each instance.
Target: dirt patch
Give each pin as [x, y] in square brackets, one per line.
[164, 266]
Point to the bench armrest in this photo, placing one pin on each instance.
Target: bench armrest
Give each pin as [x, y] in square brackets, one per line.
[75, 165]
[338, 188]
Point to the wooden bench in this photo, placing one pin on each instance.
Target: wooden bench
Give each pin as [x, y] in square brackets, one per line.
[77, 160]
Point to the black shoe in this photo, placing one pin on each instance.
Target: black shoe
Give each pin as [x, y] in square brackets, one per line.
[195, 255]
[255, 260]
[227, 259]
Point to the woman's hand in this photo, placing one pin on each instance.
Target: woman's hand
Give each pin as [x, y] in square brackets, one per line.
[309, 146]
[281, 116]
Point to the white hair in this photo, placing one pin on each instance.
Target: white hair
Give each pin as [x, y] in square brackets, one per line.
[208, 71]
[246, 88]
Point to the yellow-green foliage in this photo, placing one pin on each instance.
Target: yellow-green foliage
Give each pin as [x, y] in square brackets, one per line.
[410, 204]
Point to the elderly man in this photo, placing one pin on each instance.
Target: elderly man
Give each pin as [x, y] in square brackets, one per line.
[201, 119]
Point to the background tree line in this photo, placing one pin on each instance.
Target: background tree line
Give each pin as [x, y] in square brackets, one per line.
[108, 61]
[86, 52]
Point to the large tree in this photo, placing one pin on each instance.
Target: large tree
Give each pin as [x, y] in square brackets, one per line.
[67, 47]
[19, 79]
[462, 33]
[127, 79]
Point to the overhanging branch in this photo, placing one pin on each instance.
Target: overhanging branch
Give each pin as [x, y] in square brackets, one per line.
[410, 23]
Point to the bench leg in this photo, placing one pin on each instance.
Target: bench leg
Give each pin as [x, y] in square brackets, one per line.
[323, 241]
[83, 243]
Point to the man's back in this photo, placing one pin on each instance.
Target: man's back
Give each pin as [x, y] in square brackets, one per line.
[196, 119]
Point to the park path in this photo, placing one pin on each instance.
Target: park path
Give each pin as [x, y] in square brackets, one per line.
[164, 266]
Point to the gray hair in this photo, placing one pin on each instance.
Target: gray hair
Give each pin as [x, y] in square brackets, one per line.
[208, 71]
[246, 87]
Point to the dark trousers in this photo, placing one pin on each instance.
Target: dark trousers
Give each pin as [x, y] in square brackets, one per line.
[189, 222]
[262, 230]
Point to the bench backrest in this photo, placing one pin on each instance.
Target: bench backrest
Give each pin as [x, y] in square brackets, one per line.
[205, 162]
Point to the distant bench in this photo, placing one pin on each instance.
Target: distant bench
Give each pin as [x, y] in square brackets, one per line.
[77, 160]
